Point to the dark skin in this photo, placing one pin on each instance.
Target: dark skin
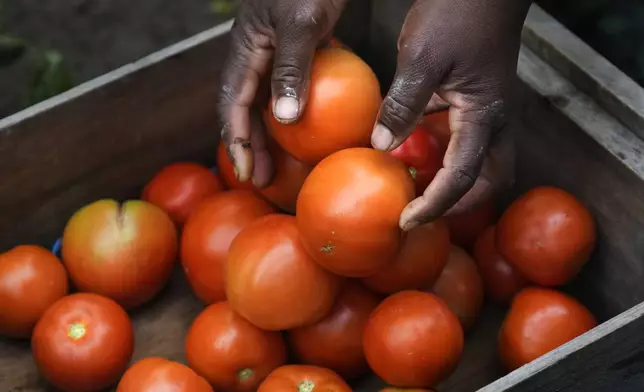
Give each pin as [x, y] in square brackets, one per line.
[460, 54]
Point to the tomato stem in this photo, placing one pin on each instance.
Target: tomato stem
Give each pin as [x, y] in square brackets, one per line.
[76, 331]
[245, 374]
[413, 172]
[306, 386]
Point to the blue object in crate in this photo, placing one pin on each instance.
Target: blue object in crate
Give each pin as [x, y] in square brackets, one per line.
[55, 249]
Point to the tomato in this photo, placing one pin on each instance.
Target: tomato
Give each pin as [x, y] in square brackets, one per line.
[539, 321]
[179, 187]
[336, 43]
[31, 279]
[158, 374]
[412, 339]
[438, 125]
[348, 211]
[335, 342]
[422, 154]
[547, 235]
[465, 228]
[286, 183]
[207, 236]
[461, 287]
[303, 378]
[123, 251]
[231, 353]
[419, 263]
[501, 280]
[343, 102]
[83, 342]
[272, 281]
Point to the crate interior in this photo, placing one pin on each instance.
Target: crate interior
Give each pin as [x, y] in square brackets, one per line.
[107, 142]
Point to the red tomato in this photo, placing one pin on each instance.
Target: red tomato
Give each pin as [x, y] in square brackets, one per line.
[438, 125]
[231, 353]
[303, 378]
[272, 281]
[335, 342]
[31, 279]
[343, 102]
[208, 234]
[122, 251]
[83, 342]
[336, 43]
[348, 211]
[465, 228]
[412, 339]
[501, 280]
[422, 154]
[179, 187]
[539, 321]
[419, 263]
[286, 183]
[547, 235]
[461, 287]
[159, 375]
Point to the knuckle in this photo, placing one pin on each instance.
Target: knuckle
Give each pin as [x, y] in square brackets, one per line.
[288, 73]
[397, 114]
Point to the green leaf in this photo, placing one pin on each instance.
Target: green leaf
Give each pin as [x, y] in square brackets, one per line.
[11, 50]
[223, 6]
[51, 77]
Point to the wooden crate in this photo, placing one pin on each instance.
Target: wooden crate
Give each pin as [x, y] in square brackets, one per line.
[578, 129]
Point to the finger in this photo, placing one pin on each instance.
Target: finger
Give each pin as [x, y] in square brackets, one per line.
[248, 60]
[262, 162]
[436, 104]
[297, 40]
[471, 131]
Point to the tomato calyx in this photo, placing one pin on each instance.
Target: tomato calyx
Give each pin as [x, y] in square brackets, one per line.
[245, 374]
[413, 172]
[328, 248]
[76, 330]
[306, 386]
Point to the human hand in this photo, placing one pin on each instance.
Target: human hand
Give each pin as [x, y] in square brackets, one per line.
[461, 54]
[278, 34]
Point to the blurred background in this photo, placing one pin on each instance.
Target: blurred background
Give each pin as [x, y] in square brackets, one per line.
[47, 47]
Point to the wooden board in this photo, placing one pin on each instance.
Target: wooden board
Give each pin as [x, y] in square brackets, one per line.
[108, 136]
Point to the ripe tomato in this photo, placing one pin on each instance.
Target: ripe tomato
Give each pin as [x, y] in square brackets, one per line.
[461, 287]
[31, 279]
[501, 280]
[422, 154]
[122, 251]
[286, 183]
[412, 339]
[336, 43]
[158, 374]
[179, 187]
[539, 321]
[303, 378]
[344, 99]
[547, 235]
[438, 125]
[207, 236]
[348, 211]
[272, 281]
[335, 342]
[465, 228]
[420, 261]
[83, 342]
[231, 353]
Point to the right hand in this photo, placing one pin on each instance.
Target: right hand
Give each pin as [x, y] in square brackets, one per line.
[281, 35]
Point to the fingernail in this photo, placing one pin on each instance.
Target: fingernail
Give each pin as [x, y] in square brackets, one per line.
[381, 138]
[286, 108]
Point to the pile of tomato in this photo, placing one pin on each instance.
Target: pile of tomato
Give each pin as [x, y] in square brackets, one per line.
[315, 264]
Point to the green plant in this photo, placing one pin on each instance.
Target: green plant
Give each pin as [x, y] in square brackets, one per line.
[223, 6]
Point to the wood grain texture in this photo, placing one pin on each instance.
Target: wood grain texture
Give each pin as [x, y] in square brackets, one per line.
[108, 137]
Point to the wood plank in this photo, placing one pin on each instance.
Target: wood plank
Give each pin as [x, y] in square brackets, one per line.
[590, 72]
